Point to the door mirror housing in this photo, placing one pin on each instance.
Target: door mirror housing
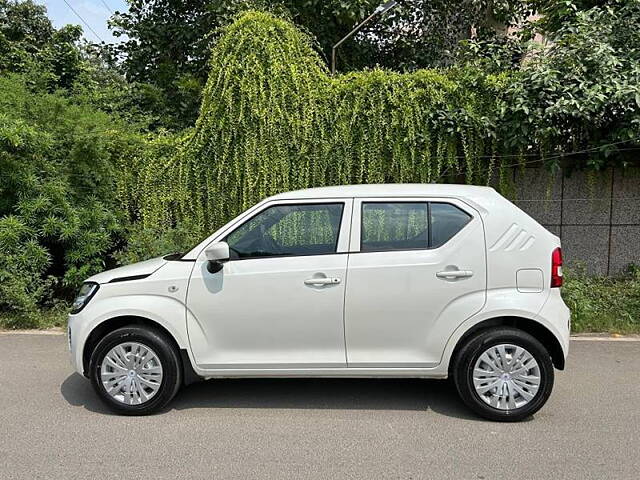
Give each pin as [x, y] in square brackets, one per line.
[217, 253]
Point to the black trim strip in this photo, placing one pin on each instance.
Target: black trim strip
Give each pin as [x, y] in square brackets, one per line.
[126, 279]
[429, 229]
[177, 257]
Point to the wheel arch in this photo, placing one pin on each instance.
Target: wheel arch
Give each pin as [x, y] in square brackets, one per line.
[112, 324]
[532, 327]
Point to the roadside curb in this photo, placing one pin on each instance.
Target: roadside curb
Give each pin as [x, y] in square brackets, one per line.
[605, 338]
[51, 331]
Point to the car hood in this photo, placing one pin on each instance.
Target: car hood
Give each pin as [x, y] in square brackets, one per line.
[136, 270]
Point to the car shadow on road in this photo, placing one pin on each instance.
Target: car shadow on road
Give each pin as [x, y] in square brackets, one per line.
[439, 396]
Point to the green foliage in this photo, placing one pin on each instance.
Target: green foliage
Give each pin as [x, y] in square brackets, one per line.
[55, 316]
[57, 59]
[22, 261]
[166, 49]
[60, 215]
[168, 42]
[427, 33]
[582, 91]
[30, 44]
[85, 185]
[603, 304]
[555, 14]
[144, 243]
[272, 120]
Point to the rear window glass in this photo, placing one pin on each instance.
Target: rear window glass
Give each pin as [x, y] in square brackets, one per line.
[390, 226]
[446, 221]
[394, 226]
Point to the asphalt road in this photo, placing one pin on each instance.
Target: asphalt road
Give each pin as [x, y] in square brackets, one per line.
[53, 426]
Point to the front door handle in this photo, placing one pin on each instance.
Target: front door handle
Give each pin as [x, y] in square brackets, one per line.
[322, 281]
[449, 274]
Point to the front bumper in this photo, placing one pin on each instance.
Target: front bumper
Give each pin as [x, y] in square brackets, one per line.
[76, 339]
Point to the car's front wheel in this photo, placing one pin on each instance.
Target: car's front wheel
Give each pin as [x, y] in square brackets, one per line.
[135, 370]
[504, 374]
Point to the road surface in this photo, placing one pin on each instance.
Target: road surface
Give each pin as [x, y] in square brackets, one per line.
[52, 425]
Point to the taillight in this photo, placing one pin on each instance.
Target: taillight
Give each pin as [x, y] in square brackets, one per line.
[556, 268]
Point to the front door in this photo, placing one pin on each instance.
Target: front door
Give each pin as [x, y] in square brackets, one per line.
[418, 270]
[279, 301]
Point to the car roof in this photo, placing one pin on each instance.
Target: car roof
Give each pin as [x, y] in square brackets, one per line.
[388, 190]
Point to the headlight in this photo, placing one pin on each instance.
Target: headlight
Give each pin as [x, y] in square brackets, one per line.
[87, 291]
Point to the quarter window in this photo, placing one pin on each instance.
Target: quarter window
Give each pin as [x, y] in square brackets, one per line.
[394, 226]
[285, 230]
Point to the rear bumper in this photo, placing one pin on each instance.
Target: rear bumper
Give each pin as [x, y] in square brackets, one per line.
[556, 313]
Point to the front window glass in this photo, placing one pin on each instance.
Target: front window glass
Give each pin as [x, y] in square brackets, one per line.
[394, 226]
[305, 229]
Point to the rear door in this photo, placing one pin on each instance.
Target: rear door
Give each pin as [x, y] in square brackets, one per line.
[416, 270]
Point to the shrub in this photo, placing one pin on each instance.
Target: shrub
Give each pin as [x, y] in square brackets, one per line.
[60, 217]
[22, 263]
[603, 304]
[144, 243]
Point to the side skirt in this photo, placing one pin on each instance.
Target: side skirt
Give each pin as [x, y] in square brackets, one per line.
[325, 372]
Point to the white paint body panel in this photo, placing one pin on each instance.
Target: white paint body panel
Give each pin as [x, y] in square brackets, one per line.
[389, 315]
[147, 298]
[259, 313]
[141, 268]
[395, 303]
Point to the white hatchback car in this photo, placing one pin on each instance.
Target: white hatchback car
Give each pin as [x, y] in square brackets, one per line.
[425, 281]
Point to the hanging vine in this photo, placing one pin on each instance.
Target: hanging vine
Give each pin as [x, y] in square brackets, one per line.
[272, 119]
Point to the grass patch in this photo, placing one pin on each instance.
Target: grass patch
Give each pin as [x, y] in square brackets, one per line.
[42, 319]
[603, 304]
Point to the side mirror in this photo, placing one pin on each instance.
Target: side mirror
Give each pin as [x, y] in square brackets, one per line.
[216, 254]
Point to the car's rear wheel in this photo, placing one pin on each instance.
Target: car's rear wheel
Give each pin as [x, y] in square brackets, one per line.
[504, 374]
[135, 370]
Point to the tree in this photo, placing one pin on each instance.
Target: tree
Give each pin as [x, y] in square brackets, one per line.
[29, 43]
[582, 90]
[25, 23]
[427, 33]
[169, 41]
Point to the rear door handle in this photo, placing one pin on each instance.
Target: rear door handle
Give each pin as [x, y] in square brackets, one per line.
[322, 281]
[446, 274]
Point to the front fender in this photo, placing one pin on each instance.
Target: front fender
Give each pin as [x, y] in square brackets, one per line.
[168, 312]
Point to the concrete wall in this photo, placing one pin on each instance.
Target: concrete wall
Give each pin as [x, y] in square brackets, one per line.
[598, 219]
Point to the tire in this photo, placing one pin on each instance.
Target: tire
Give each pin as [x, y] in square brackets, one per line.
[154, 361]
[503, 391]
